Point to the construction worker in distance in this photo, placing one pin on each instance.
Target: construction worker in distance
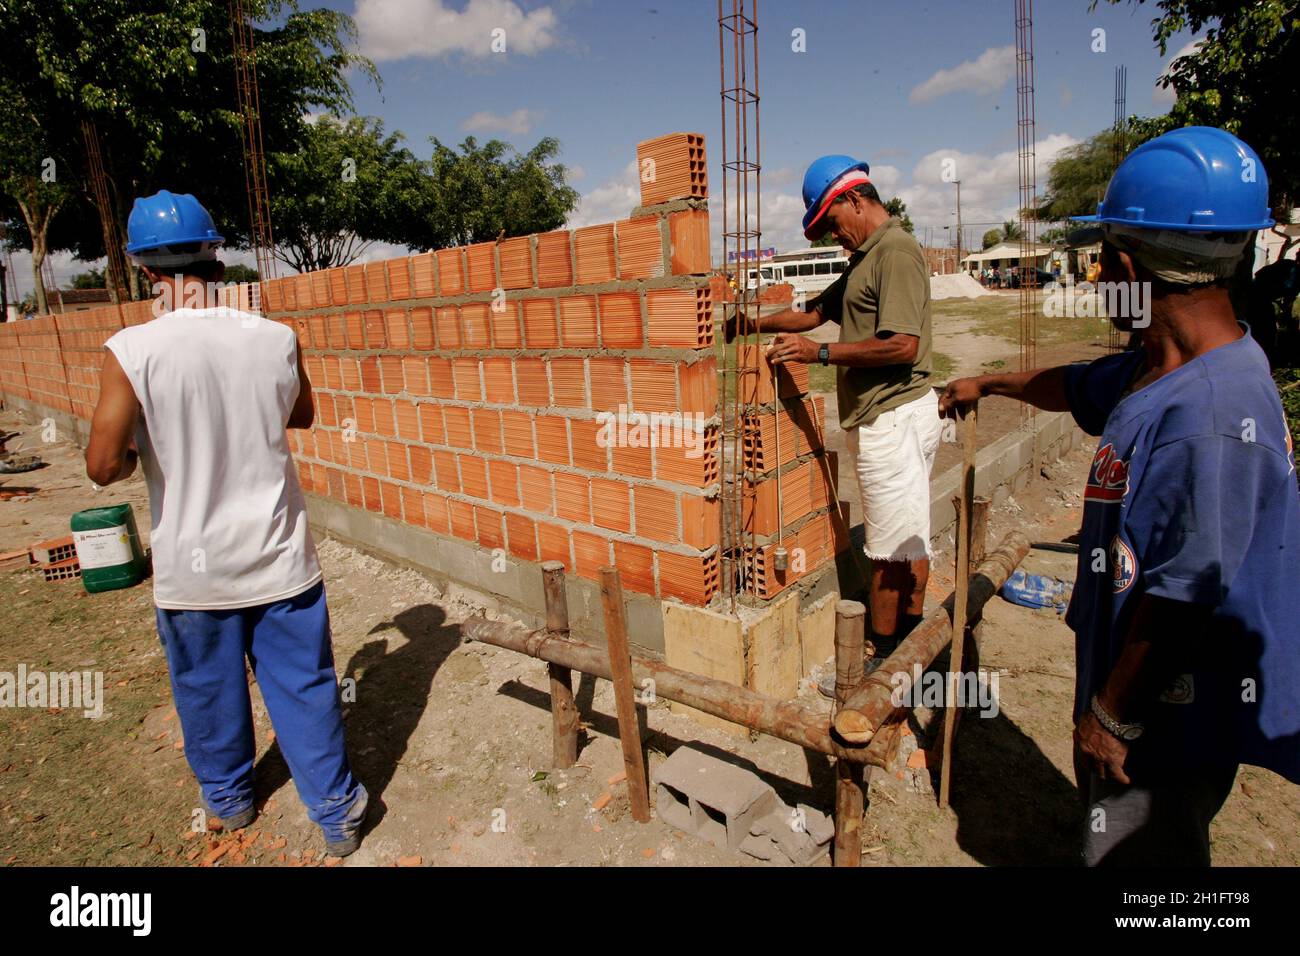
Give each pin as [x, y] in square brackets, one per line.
[206, 393]
[887, 407]
[1186, 608]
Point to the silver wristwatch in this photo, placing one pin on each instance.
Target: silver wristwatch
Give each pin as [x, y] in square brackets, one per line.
[1125, 732]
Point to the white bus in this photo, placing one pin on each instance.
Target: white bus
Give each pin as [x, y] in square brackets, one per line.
[809, 271]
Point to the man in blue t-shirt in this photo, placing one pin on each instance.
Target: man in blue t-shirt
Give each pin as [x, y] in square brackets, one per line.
[1187, 605]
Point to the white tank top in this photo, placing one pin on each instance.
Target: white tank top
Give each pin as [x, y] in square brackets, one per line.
[216, 387]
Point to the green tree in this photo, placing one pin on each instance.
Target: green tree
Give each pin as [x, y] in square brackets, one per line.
[237, 272]
[94, 279]
[992, 238]
[1011, 232]
[898, 209]
[1241, 77]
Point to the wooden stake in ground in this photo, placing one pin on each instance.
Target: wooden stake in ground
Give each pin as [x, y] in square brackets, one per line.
[620, 664]
[850, 800]
[968, 419]
[564, 710]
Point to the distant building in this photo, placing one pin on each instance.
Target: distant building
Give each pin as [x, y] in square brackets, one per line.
[76, 300]
[1005, 254]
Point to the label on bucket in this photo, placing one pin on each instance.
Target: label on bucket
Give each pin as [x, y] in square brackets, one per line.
[103, 548]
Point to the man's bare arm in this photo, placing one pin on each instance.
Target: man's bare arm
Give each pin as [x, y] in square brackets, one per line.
[304, 409]
[110, 455]
[1041, 387]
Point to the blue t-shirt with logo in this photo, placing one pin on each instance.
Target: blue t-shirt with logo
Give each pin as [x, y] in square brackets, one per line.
[1192, 496]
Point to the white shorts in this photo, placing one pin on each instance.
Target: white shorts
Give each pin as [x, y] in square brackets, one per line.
[893, 457]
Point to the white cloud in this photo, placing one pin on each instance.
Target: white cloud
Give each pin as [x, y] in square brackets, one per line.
[517, 123]
[608, 202]
[1165, 95]
[983, 75]
[395, 29]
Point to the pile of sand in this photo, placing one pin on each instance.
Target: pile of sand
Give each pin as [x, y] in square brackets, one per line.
[958, 285]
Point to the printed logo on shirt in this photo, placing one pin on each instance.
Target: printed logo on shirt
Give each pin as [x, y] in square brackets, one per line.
[1123, 565]
[1108, 478]
[1181, 691]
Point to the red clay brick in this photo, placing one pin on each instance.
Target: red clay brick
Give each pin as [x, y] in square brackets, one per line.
[640, 249]
[654, 385]
[390, 370]
[462, 519]
[515, 257]
[350, 372]
[628, 459]
[370, 492]
[431, 430]
[700, 517]
[475, 331]
[436, 515]
[415, 372]
[679, 318]
[456, 421]
[352, 489]
[398, 465]
[356, 279]
[329, 287]
[517, 434]
[554, 261]
[504, 476]
[656, 513]
[487, 430]
[330, 371]
[498, 381]
[408, 420]
[552, 439]
[422, 284]
[465, 373]
[399, 278]
[540, 331]
[490, 531]
[636, 566]
[590, 554]
[421, 464]
[355, 330]
[451, 272]
[521, 536]
[504, 319]
[569, 381]
[535, 484]
[376, 282]
[553, 544]
[620, 320]
[442, 384]
[697, 465]
[688, 234]
[578, 321]
[447, 321]
[422, 328]
[376, 330]
[473, 476]
[391, 496]
[385, 423]
[672, 167]
[572, 497]
[593, 253]
[608, 383]
[699, 387]
[611, 504]
[689, 578]
[365, 413]
[448, 475]
[399, 334]
[589, 448]
[480, 261]
[531, 381]
[335, 331]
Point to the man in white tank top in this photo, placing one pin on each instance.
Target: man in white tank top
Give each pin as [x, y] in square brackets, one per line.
[201, 397]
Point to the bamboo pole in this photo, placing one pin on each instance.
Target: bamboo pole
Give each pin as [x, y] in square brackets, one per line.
[871, 705]
[620, 665]
[962, 581]
[850, 800]
[564, 709]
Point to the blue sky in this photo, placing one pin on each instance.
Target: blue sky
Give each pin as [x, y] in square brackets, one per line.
[901, 84]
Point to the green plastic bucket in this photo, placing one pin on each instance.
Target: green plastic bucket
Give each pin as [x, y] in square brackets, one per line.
[108, 548]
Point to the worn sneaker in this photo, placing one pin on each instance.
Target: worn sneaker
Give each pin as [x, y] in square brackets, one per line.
[235, 821]
[352, 827]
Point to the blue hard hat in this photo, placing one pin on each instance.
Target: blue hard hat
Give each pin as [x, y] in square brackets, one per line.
[168, 219]
[817, 182]
[1192, 179]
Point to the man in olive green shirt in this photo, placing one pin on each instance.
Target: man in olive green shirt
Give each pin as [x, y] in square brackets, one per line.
[888, 410]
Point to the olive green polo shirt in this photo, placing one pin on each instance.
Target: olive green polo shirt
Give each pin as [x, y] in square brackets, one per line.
[885, 288]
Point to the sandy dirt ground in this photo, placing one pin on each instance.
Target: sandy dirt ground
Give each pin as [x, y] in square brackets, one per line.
[454, 739]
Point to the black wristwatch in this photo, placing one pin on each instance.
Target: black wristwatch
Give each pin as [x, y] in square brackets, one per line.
[824, 354]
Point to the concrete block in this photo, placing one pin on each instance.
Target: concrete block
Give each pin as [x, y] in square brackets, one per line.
[817, 824]
[724, 800]
[797, 845]
[759, 847]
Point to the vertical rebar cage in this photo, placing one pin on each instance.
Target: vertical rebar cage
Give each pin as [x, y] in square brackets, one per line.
[1028, 180]
[741, 235]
